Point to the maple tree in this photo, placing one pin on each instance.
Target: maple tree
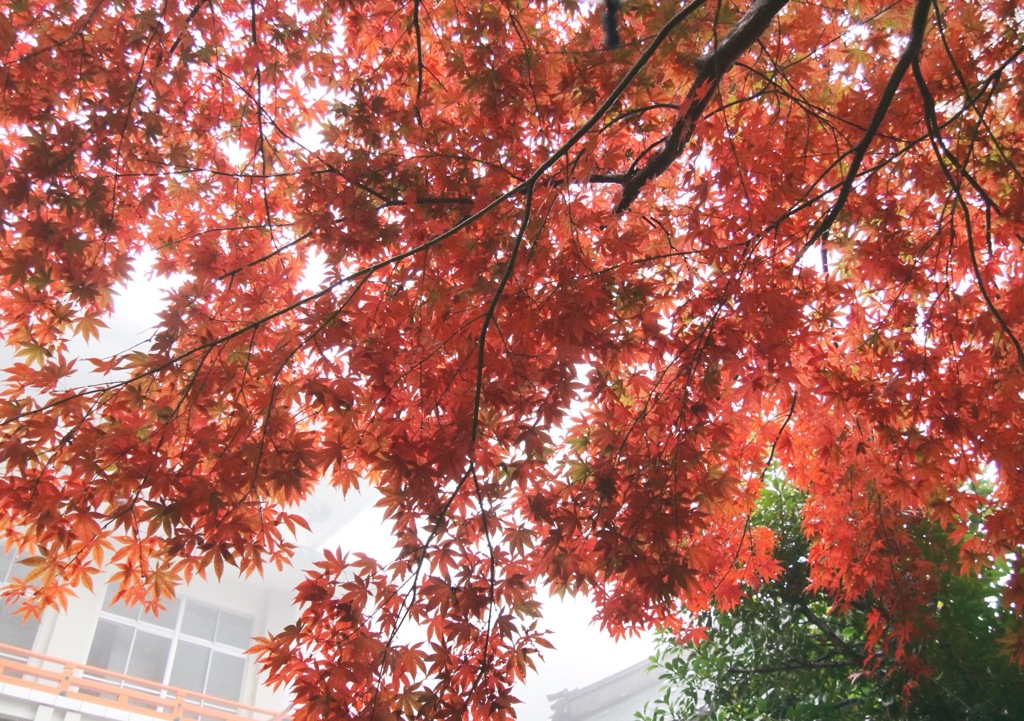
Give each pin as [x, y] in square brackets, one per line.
[574, 302]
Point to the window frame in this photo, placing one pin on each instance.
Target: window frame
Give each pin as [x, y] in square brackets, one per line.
[138, 621]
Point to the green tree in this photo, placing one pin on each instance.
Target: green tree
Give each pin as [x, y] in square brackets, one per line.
[785, 652]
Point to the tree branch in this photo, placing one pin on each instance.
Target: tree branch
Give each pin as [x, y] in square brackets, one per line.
[840, 645]
[942, 156]
[917, 28]
[791, 666]
[711, 68]
[419, 60]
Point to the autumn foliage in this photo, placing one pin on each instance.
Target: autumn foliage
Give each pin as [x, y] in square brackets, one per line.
[570, 304]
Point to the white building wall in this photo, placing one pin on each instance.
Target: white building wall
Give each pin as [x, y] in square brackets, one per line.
[68, 636]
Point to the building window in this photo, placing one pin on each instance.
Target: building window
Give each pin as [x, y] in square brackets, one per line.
[190, 645]
[13, 630]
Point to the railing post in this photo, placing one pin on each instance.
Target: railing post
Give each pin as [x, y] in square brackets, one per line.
[65, 680]
[179, 706]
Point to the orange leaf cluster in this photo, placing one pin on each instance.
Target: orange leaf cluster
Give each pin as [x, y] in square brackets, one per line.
[569, 305]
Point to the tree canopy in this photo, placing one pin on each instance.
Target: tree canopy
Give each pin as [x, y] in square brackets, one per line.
[784, 653]
[570, 302]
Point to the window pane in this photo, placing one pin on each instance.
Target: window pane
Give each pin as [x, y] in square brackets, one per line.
[190, 663]
[199, 621]
[15, 633]
[226, 676]
[6, 564]
[110, 646]
[234, 630]
[149, 656]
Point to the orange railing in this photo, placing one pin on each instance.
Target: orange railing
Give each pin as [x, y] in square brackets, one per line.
[95, 691]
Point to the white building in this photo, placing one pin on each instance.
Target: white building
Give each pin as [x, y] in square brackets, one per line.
[615, 698]
[99, 660]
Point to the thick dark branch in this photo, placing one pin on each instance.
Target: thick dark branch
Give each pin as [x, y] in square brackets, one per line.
[909, 54]
[711, 68]
[430, 200]
[188, 21]
[838, 643]
[619, 89]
